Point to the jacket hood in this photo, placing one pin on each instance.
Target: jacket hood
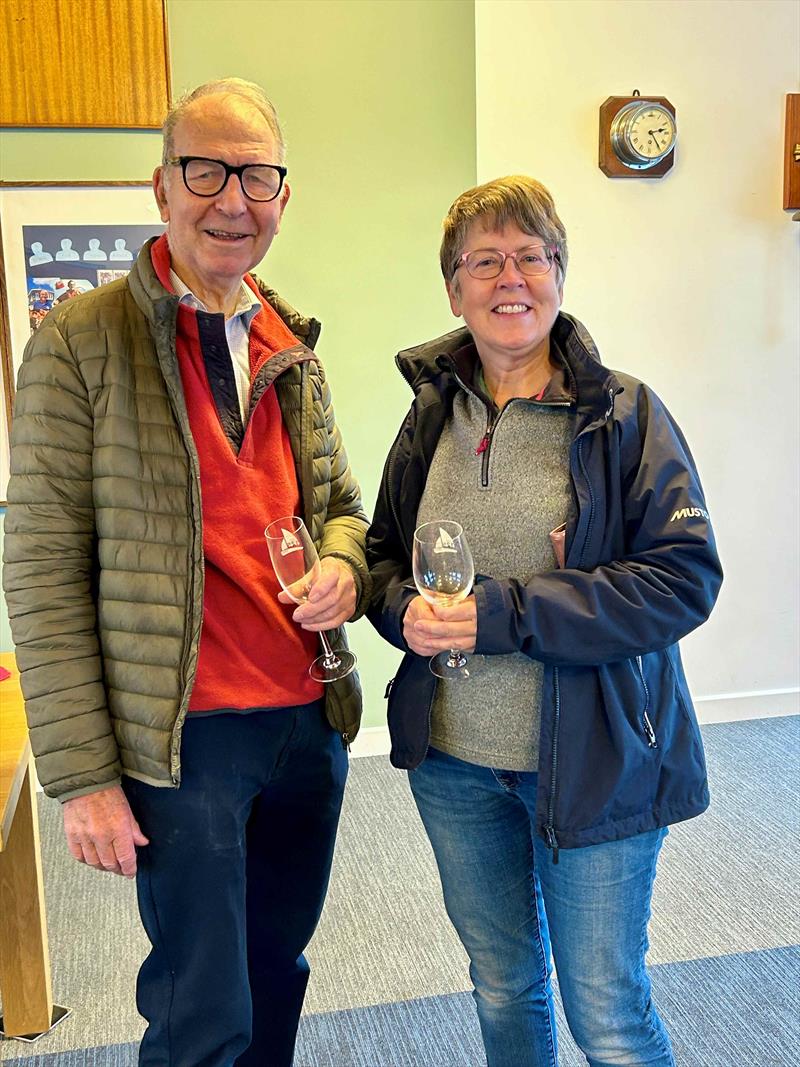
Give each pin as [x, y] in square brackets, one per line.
[433, 361]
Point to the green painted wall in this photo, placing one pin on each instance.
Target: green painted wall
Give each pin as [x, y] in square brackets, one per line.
[377, 98]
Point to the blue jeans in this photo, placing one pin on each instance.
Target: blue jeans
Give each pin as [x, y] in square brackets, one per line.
[231, 885]
[510, 903]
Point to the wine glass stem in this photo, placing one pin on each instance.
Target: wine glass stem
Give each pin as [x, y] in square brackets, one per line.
[456, 659]
[331, 659]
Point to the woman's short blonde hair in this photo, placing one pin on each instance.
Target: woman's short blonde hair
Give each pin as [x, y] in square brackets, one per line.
[516, 199]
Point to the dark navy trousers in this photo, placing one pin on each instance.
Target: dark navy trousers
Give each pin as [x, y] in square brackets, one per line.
[231, 886]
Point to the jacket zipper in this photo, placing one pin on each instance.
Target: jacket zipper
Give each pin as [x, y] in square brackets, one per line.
[588, 481]
[549, 829]
[392, 504]
[194, 480]
[590, 524]
[177, 729]
[306, 458]
[647, 726]
[307, 465]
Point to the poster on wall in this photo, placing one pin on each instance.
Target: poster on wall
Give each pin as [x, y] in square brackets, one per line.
[64, 261]
[56, 243]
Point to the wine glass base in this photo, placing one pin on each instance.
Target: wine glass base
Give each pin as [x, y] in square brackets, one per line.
[343, 663]
[457, 668]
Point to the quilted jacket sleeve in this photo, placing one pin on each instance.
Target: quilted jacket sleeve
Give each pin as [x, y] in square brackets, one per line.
[346, 522]
[50, 570]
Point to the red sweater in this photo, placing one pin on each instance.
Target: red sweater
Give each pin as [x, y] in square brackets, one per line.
[252, 655]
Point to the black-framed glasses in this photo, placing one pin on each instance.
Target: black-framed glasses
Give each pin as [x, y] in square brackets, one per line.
[487, 263]
[208, 177]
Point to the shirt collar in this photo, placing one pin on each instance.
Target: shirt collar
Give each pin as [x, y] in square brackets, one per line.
[247, 303]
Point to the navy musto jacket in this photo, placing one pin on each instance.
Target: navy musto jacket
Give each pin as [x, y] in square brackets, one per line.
[620, 748]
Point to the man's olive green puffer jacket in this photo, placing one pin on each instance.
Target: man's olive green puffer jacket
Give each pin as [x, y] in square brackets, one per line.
[103, 541]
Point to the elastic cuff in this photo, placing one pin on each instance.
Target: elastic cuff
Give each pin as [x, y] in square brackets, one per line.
[84, 792]
[361, 579]
[493, 637]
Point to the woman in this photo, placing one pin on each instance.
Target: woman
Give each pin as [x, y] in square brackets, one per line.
[547, 779]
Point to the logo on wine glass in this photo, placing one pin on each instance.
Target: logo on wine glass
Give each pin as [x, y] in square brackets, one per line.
[444, 543]
[289, 543]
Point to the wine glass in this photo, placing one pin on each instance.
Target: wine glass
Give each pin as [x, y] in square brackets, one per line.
[297, 566]
[443, 574]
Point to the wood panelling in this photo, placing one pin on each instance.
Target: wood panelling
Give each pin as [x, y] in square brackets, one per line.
[24, 955]
[83, 63]
[791, 158]
[14, 747]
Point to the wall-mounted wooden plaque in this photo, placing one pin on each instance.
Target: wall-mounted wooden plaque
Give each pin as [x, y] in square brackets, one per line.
[83, 63]
[791, 153]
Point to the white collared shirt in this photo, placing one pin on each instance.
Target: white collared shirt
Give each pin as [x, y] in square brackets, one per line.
[237, 332]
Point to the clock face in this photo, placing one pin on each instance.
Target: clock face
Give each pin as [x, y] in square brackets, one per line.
[642, 134]
[651, 133]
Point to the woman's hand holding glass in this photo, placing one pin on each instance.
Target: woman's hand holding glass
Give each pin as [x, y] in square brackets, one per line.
[443, 574]
[429, 629]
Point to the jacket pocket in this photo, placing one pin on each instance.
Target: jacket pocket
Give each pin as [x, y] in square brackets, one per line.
[647, 725]
[409, 697]
[607, 770]
[611, 781]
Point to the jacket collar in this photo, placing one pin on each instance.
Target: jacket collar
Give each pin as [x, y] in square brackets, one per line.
[160, 307]
[595, 386]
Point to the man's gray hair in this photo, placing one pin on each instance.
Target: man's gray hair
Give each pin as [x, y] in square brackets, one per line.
[249, 91]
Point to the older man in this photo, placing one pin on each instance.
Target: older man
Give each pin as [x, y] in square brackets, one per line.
[161, 422]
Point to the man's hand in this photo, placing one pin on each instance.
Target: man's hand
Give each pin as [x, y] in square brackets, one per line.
[331, 600]
[432, 628]
[102, 831]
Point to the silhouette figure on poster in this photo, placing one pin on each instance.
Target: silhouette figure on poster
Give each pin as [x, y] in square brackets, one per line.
[39, 256]
[67, 252]
[94, 251]
[120, 251]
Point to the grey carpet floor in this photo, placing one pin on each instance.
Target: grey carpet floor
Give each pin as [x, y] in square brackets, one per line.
[389, 978]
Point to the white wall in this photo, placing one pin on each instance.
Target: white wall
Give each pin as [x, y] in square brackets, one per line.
[690, 282]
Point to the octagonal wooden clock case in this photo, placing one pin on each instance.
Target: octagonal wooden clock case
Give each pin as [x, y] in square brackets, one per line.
[637, 136]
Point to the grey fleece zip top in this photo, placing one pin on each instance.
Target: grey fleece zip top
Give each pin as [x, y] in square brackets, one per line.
[507, 512]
